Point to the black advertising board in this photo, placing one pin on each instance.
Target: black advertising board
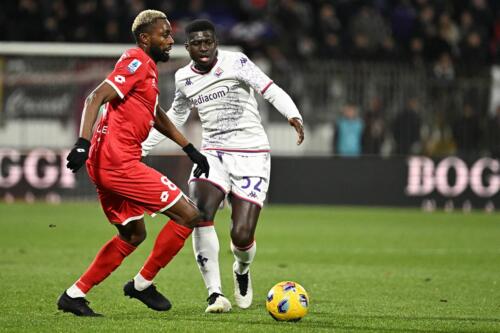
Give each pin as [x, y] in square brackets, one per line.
[415, 181]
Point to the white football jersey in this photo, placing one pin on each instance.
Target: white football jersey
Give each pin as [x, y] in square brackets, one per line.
[224, 99]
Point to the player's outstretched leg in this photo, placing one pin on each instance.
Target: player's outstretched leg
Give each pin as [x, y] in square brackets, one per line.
[168, 243]
[206, 252]
[106, 261]
[244, 216]
[78, 306]
[243, 292]
[206, 243]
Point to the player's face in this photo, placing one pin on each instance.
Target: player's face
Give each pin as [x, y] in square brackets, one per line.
[161, 41]
[202, 48]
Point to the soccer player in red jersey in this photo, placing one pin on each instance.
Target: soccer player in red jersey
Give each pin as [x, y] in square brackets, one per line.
[126, 187]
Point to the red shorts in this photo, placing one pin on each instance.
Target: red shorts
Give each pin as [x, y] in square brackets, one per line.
[126, 194]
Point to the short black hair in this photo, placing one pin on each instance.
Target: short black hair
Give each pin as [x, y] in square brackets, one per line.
[199, 25]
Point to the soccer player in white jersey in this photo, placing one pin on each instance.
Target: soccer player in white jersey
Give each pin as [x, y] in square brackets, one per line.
[220, 85]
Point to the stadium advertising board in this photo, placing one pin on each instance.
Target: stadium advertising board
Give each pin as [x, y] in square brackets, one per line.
[449, 183]
[41, 173]
[34, 89]
[453, 178]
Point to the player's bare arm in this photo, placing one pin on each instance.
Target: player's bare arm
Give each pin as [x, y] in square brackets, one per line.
[167, 128]
[299, 128]
[80, 152]
[102, 94]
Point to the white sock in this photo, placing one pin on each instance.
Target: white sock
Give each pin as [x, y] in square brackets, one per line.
[206, 253]
[75, 292]
[140, 283]
[243, 258]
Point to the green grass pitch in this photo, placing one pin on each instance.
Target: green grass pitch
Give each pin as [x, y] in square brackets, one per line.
[366, 270]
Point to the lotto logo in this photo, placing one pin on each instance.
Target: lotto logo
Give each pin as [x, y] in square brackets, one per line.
[119, 79]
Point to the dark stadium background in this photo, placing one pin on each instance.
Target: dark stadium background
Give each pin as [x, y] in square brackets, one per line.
[396, 232]
[420, 75]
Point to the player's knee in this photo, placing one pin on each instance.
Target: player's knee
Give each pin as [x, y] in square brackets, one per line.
[191, 217]
[137, 238]
[205, 215]
[241, 236]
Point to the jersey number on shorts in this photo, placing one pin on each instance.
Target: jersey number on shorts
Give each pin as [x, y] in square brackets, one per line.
[249, 182]
[164, 195]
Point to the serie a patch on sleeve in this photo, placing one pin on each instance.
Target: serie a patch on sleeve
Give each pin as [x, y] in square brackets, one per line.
[133, 66]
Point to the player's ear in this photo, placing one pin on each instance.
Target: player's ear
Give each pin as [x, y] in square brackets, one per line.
[186, 45]
[144, 37]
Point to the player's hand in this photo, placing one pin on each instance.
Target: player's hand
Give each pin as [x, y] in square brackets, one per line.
[199, 159]
[299, 128]
[78, 155]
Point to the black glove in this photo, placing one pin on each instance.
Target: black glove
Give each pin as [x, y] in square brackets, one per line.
[78, 155]
[199, 159]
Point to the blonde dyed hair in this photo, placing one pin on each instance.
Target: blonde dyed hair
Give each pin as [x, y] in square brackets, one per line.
[144, 19]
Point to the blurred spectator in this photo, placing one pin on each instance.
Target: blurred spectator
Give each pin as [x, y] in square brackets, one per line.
[57, 21]
[473, 52]
[444, 70]
[348, 132]
[26, 22]
[361, 49]
[466, 23]
[294, 19]
[329, 32]
[331, 47]
[482, 12]
[406, 128]
[82, 31]
[416, 52]
[388, 51]
[403, 19]
[365, 30]
[493, 134]
[448, 30]
[251, 34]
[328, 20]
[426, 30]
[374, 127]
[369, 24]
[467, 132]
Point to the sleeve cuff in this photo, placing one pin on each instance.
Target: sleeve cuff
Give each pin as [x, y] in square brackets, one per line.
[266, 87]
[115, 88]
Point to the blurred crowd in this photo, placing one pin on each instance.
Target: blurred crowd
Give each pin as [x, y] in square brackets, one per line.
[469, 134]
[446, 39]
[466, 31]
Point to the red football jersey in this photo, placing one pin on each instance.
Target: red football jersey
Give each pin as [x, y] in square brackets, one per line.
[127, 120]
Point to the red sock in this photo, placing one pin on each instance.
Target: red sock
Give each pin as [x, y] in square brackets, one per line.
[169, 241]
[106, 261]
